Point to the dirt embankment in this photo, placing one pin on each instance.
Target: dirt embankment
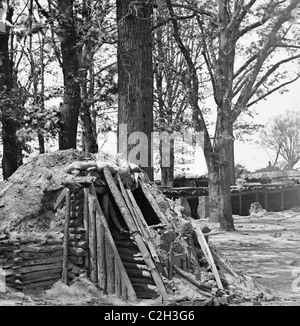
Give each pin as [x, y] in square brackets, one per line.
[25, 196]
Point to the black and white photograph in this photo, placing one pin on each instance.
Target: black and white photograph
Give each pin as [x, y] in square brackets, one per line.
[150, 156]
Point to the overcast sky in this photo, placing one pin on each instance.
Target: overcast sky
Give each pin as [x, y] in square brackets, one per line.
[252, 155]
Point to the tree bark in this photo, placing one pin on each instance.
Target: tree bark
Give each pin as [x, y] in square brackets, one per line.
[167, 172]
[90, 144]
[71, 104]
[10, 158]
[135, 73]
[217, 154]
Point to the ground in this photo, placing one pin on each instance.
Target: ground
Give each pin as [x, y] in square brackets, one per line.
[265, 246]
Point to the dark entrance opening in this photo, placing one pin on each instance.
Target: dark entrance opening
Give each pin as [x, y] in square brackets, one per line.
[146, 208]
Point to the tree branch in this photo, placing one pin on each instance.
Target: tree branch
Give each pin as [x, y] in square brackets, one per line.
[273, 90]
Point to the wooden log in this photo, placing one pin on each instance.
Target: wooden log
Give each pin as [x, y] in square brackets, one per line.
[60, 199]
[171, 261]
[33, 262]
[38, 255]
[40, 249]
[117, 281]
[101, 252]
[36, 268]
[64, 276]
[223, 263]
[133, 229]
[185, 192]
[105, 202]
[40, 276]
[126, 283]
[204, 289]
[114, 218]
[51, 242]
[138, 225]
[101, 244]
[120, 201]
[37, 285]
[92, 238]
[86, 224]
[205, 249]
[110, 268]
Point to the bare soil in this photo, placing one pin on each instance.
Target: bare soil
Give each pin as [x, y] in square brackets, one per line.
[265, 246]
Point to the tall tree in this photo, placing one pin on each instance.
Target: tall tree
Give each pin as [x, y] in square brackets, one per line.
[71, 103]
[135, 74]
[242, 72]
[10, 160]
[282, 137]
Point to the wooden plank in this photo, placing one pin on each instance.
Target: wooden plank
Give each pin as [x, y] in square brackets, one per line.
[118, 286]
[60, 198]
[104, 202]
[101, 248]
[64, 277]
[110, 268]
[92, 239]
[86, 224]
[129, 206]
[36, 268]
[33, 262]
[127, 287]
[133, 229]
[40, 249]
[208, 256]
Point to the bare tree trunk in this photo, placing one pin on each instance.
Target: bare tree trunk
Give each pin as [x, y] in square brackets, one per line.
[167, 172]
[71, 105]
[135, 71]
[10, 158]
[89, 140]
[217, 155]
